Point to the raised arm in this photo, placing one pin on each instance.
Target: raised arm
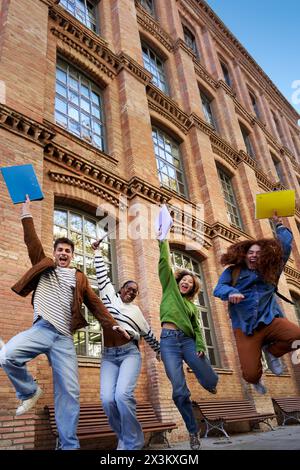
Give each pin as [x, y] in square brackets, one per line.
[106, 289]
[164, 267]
[34, 247]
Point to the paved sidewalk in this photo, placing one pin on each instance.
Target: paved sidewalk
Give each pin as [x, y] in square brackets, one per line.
[282, 438]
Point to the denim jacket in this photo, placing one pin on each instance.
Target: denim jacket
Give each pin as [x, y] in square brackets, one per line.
[259, 304]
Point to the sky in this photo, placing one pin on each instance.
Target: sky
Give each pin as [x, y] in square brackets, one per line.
[270, 31]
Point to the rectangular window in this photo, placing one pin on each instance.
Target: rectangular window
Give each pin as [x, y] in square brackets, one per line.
[155, 65]
[190, 40]
[278, 168]
[226, 73]
[233, 212]
[78, 105]
[168, 161]
[277, 125]
[148, 5]
[247, 141]
[254, 104]
[207, 111]
[83, 10]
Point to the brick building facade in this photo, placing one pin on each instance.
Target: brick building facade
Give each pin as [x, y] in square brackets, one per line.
[157, 102]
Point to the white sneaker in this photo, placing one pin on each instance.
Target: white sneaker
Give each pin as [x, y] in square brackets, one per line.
[274, 363]
[260, 388]
[26, 405]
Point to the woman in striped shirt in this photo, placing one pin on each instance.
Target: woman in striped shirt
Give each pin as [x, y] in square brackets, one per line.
[121, 365]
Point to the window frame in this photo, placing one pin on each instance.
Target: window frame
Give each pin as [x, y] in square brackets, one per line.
[170, 166]
[89, 13]
[191, 43]
[207, 110]
[230, 204]
[149, 9]
[247, 141]
[202, 308]
[111, 265]
[156, 78]
[66, 96]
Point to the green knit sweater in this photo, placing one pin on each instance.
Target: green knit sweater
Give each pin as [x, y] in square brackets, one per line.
[174, 307]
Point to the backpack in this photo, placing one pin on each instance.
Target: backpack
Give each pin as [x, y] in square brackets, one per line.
[234, 278]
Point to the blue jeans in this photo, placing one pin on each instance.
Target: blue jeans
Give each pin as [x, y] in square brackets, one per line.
[120, 369]
[176, 347]
[43, 338]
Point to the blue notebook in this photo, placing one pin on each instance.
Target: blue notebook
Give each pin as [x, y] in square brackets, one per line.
[21, 180]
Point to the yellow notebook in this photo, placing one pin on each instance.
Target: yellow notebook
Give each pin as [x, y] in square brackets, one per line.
[283, 202]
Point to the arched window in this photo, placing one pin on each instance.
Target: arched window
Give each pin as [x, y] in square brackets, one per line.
[84, 230]
[182, 260]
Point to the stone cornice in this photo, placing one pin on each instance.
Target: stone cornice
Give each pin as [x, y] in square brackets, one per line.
[224, 150]
[220, 30]
[227, 88]
[202, 124]
[79, 38]
[138, 187]
[227, 233]
[264, 182]
[87, 185]
[126, 62]
[83, 143]
[293, 274]
[244, 157]
[202, 73]
[240, 110]
[168, 108]
[82, 168]
[180, 44]
[189, 226]
[149, 24]
[50, 3]
[28, 128]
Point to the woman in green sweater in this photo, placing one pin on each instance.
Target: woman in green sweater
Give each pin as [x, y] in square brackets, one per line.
[181, 338]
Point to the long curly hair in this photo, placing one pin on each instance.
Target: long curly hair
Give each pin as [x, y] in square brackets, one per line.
[269, 263]
[179, 274]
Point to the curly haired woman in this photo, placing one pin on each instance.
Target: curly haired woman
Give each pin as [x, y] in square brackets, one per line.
[249, 285]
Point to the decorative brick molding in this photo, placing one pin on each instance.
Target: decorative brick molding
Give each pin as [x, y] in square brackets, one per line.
[80, 168]
[202, 125]
[202, 73]
[126, 62]
[149, 24]
[86, 185]
[190, 226]
[230, 92]
[244, 157]
[292, 274]
[224, 150]
[19, 124]
[168, 108]
[241, 111]
[180, 44]
[73, 35]
[231, 234]
[136, 186]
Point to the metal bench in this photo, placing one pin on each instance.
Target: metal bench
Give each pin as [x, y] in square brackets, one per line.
[93, 422]
[217, 413]
[287, 408]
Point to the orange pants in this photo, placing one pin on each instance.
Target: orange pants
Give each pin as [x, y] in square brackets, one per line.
[280, 334]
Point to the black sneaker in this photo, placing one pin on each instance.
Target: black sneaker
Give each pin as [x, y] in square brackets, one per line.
[195, 441]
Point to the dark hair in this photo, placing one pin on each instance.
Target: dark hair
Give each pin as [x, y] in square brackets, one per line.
[180, 273]
[269, 262]
[65, 240]
[126, 283]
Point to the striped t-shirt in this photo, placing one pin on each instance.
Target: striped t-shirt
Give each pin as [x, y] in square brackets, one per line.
[129, 316]
[53, 298]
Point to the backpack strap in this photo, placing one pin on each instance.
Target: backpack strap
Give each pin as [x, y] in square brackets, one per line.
[283, 297]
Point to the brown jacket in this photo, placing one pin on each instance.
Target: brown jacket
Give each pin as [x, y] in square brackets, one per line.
[83, 293]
